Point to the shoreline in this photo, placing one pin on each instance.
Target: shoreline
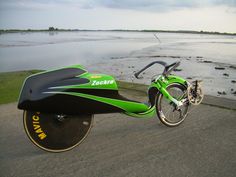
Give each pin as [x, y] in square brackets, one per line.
[5, 31]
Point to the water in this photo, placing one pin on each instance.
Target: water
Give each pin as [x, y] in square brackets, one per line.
[218, 48]
[44, 50]
[21, 51]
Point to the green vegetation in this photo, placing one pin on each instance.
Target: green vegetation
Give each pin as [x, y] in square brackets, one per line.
[52, 29]
[11, 83]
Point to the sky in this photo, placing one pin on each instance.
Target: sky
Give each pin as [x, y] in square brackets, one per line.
[208, 15]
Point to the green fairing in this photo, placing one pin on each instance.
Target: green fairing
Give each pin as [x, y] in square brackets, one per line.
[133, 109]
[95, 78]
[148, 114]
[73, 66]
[108, 82]
[76, 66]
[127, 106]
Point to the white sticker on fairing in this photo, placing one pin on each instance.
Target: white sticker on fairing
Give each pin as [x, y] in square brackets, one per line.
[105, 82]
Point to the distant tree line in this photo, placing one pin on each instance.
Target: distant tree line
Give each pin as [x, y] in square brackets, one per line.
[51, 28]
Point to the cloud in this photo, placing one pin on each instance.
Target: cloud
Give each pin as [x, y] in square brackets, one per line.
[140, 5]
[162, 5]
[104, 14]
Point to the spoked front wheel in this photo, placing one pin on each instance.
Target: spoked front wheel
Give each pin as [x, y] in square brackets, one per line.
[167, 112]
[56, 133]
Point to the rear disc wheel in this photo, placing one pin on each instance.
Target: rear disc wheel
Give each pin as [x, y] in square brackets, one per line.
[56, 133]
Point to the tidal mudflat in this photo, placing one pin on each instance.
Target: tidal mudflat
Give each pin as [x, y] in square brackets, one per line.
[211, 58]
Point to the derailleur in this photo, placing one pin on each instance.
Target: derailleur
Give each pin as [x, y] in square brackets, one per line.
[195, 93]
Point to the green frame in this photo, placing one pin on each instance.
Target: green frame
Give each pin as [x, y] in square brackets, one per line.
[161, 83]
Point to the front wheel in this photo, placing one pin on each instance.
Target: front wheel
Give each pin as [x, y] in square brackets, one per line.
[167, 112]
[56, 133]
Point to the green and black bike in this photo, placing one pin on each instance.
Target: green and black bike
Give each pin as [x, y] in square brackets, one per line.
[59, 105]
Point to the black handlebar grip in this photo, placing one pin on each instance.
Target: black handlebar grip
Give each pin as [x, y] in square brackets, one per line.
[137, 74]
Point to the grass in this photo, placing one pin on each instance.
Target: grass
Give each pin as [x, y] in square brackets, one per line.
[11, 83]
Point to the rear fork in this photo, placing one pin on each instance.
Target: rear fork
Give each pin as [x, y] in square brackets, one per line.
[176, 103]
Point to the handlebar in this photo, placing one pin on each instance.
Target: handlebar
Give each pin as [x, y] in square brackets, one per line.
[166, 71]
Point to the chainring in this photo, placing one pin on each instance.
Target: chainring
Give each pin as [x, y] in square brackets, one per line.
[195, 93]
